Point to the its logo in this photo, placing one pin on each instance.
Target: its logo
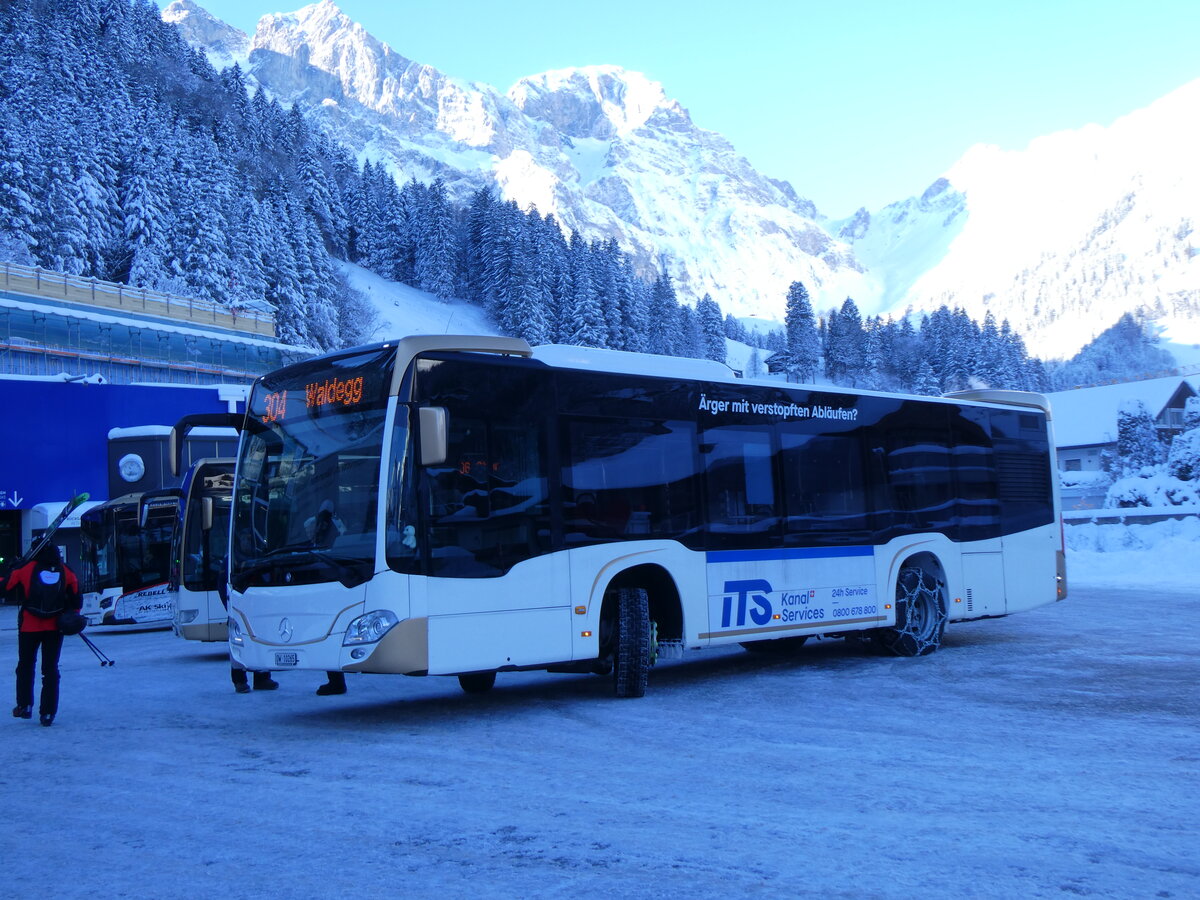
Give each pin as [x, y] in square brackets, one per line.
[285, 629]
[752, 598]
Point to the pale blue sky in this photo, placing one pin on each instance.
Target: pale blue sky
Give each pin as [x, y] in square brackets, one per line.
[856, 104]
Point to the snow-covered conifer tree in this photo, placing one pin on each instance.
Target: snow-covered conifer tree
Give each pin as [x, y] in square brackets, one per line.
[712, 329]
[803, 344]
[436, 244]
[924, 382]
[662, 318]
[734, 329]
[690, 341]
[844, 359]
[587, 322]
[634, 302]
[754, 366]
[1138, 444]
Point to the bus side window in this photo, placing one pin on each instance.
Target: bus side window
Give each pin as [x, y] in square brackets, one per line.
[826, 485]
[489, 507]
[740, 484]
[627, 479]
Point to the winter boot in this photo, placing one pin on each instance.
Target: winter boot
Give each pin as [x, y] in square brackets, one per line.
[22, 712]
[264, 682]
[335, 685]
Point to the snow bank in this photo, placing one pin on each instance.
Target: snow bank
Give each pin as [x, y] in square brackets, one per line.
[1161, 554]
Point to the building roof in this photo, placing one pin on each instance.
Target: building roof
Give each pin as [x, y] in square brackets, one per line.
[1087, 416]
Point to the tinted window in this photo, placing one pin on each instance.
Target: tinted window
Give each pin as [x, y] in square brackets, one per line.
[739, 486]
[917, 460]
[487, 508]
[826, 486]
[974, 464]
[1022, 467]
[627, 479]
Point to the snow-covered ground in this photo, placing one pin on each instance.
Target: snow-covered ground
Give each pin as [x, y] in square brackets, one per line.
[405, 310]
[1162, 554]
[1054, 752]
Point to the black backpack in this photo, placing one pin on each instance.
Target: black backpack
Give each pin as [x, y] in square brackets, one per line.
[46, 599]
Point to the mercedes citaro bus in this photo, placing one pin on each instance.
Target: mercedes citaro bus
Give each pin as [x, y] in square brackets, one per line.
[456, 505]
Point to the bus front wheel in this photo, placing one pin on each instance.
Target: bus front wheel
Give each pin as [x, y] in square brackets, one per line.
[631, 661]
[920, 615]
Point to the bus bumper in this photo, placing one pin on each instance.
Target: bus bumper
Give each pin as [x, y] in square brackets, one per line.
[203, 631]
[403, 650]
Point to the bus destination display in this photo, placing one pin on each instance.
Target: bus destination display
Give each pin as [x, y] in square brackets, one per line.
[348, 388]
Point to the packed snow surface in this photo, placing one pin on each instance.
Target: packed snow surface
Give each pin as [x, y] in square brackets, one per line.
[1047, 754]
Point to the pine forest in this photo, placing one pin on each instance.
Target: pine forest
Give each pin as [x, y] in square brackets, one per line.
[125, 156]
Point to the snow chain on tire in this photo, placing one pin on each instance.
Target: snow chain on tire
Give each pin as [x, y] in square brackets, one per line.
[631, 662]
[920, 615]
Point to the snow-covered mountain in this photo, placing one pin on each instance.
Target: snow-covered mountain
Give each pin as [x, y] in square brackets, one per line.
[224, 44]
[1060, 238]
[603, 149]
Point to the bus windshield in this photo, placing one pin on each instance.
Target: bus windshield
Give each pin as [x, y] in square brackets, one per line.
[98, 533]
[308, 483]
[202, 550]
[126, 545]
[149, 557]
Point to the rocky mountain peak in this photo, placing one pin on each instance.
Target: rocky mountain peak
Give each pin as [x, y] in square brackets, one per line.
[600, 102]
[223, 42]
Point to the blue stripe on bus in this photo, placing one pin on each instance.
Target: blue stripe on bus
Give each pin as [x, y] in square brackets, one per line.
[720, 556]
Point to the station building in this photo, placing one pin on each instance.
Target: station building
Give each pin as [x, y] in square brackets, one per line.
[92, 377]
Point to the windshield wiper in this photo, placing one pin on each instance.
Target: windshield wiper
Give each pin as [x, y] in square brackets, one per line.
[351, 576]
[348, 576]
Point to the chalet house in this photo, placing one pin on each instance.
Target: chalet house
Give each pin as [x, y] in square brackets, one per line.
[1085, 419]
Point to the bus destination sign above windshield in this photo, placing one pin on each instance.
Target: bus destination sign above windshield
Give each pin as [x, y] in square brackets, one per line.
[318, 395]
[348, 388]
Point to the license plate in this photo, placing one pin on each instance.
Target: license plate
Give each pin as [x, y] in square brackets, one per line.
[286, 659]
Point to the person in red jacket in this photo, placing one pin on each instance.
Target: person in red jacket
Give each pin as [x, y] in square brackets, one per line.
[44, 588]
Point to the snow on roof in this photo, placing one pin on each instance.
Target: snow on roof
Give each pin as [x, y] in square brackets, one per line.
[1088, 416]
[43, 514]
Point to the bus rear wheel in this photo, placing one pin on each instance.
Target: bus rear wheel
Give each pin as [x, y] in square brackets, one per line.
[631, 660]
[477, 682]
[920, 615]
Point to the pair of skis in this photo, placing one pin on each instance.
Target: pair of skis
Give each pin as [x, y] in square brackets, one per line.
[45, 537]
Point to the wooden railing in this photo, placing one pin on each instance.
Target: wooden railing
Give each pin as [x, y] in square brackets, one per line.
[37, 282]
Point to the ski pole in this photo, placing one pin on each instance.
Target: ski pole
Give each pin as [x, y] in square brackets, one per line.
[100, 654]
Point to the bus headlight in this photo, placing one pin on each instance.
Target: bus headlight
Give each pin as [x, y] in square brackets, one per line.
[186, 616]
[369, 628]
[235, 632]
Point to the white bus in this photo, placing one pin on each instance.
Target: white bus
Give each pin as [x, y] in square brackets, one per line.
[199, 549]
[125, 548]
[466, 506]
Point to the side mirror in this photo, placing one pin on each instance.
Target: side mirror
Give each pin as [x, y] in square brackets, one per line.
[435, 435]
[206, 513]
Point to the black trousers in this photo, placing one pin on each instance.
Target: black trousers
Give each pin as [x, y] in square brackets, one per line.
[28, 644]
